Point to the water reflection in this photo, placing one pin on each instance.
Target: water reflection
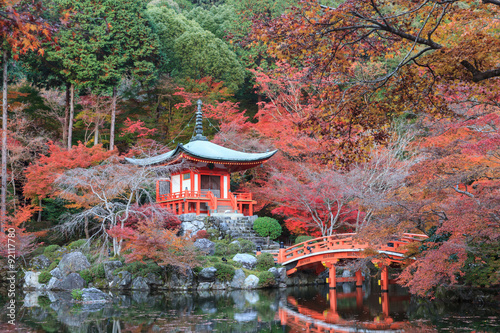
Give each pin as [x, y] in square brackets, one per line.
[311, 309]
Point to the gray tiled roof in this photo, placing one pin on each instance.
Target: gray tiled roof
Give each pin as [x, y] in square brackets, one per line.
[204, 150]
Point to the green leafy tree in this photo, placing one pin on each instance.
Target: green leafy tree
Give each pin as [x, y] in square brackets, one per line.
[267, 227]
[193, 52]
[105, 41]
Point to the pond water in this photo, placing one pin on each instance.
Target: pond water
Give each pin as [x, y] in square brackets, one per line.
[299, 309]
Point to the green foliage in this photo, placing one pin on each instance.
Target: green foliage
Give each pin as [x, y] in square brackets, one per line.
[246, 246]
[482, 268]
[77, 244]
[77, 294]
[233, 248]
[224, 272]
[190, 51]
[50, 250]
[265, 261]
[266, 279]
[86, 274]
[267, 227]
[302, 238]
[93, 273]
[138, 268]
[44, 277]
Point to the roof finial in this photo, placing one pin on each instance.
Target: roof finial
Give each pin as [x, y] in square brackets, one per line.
[198, 129]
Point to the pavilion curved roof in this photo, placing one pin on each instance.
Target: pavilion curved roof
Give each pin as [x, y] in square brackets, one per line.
[204, 151]
[199, 149]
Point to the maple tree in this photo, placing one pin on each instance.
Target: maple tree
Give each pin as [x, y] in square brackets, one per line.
[151, 240]
[110, 193]
[22, 30]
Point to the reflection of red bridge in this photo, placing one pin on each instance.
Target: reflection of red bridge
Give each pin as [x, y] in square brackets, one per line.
[310, 320]
[321, 252]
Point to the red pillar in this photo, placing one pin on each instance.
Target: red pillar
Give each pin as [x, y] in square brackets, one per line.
[384, 279]
[186, 207]
[332, 277]
[359, 279]
[250, 209]
[198, 207]
[359, 298]
[332, 313]
[385, 304]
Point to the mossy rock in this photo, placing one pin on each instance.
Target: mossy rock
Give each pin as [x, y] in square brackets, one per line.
[77, 244]
[44, 277]
[266, 279]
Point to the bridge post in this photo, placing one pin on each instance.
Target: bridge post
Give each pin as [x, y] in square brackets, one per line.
[332, 276]
[384, 279]
[281, 254]
[359, 279]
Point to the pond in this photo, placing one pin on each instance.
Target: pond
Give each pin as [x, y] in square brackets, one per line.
[299, 309]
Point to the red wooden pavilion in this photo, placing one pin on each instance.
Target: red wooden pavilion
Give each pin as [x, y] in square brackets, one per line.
[203, 186]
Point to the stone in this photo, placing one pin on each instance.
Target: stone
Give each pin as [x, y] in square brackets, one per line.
[31, 280]
[93, 295]
[192, 227]
[139, 283]
[207, 274]
[70, 282]
[248, 261]
[56, 272]
[153, 280]
[40, 262]
[180, 279]
[52, 282]
[346, 273]
[251, 282]
[282, 273]
[204, 286]
[73, 262]
[275, 272]
[109, 267]
[218, 285]
[238, 279]
[205, 245]
[122, 280]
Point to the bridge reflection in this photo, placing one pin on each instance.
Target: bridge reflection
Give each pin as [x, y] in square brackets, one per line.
[335, 311]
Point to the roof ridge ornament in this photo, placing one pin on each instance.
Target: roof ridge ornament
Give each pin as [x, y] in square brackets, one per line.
[198, 129]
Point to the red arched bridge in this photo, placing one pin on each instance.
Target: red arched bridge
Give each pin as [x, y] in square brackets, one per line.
[325, 252]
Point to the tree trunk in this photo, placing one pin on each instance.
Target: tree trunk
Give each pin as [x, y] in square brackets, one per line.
[96, 132]
[86, 227]
[113, 116]
[71, 115]
[3, 209]
[66, 115]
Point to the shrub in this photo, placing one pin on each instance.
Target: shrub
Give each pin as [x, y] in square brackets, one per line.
[98, 271]
[138, 268]
[200, 235]
[233, 248]
[247, 246]
[266, 279]
[302, 238]
[221, 248]
[267, 227]
[214, 233]
[53, 265]
[44, 277]
[197, 269]
[265, 261]
[77, 244]
[86, 274]
[77, 294]
[49, 250]
[224, 272]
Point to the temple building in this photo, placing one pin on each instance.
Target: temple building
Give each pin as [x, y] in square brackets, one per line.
[203, 186]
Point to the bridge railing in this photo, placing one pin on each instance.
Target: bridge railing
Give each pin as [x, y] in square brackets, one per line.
[343, 242]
